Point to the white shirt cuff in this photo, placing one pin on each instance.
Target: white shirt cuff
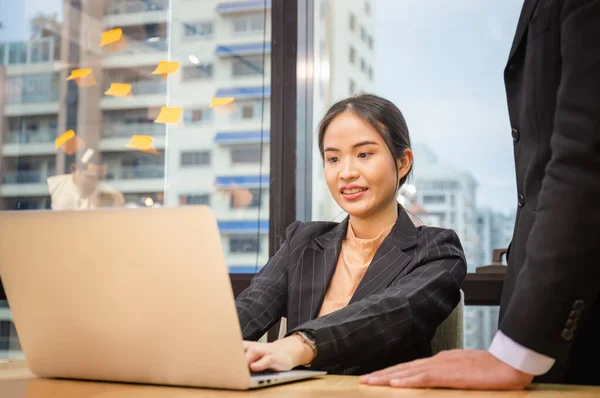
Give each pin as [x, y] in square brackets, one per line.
[519, 357]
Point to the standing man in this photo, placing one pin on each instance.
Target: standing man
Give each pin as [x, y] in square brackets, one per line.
[550, 309]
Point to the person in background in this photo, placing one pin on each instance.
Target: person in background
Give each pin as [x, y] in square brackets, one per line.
[84, 187]
[359, 294]
[550, 308]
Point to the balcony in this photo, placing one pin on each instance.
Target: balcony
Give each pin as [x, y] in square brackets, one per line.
[140, 47]
[137, 179]
[137, 173]
[38, 51]
[31, 94]
[26, 176]
[22, 143]
[125, 13]
[145, 93]
[30, 137]
[33, 97]
[134, 6]
[116, 136]
[126, 130]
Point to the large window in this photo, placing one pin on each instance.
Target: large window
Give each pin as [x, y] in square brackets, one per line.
[129, 104]
[176, 120]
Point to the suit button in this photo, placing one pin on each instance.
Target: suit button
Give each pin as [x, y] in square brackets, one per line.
[567, 334]
[521, 200]
[578, 305]
[515, 134]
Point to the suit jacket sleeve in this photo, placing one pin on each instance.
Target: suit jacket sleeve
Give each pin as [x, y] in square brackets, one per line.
[263, 302]
[407, 311]
[562, 264]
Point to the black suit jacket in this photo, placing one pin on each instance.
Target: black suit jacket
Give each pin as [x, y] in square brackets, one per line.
[411, 286]
[550, 301]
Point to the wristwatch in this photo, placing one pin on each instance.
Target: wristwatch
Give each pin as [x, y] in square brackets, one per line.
[309, 339]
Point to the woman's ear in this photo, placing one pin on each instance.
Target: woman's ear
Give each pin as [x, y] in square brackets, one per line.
[405, 163]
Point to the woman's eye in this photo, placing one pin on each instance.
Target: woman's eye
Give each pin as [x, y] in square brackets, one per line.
[332, 159]
[363, 155]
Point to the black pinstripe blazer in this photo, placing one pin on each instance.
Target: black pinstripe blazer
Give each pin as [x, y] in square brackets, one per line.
[409, 289]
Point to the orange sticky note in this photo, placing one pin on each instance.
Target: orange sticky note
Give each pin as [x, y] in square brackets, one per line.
[64, 137]
[143, 143]
[165, 67]
[73, 145]
[169, 115]
[79, 73]
[220, 101]
[119, 90]
[111, 36]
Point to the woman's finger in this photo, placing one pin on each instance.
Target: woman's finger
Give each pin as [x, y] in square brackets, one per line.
[264, 363]
[253, 354]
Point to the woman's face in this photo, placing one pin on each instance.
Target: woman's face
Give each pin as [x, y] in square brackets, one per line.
[359, 169]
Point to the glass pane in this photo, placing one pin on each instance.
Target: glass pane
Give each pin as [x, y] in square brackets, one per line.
[88, 126]
[442, 64]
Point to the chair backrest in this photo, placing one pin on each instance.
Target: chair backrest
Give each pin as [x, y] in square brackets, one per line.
[449, 335]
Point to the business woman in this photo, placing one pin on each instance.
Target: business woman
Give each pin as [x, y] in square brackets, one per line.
[360, 294]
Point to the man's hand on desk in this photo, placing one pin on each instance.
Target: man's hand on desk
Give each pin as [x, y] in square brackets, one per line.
[281, 355]
[462, 369]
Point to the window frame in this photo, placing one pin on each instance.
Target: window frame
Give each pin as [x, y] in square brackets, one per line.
[195, 155]
[195, 24]
[206, 67]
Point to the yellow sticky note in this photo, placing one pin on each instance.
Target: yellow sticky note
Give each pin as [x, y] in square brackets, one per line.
[111, 36]
[141, 142]
[119, 90]
[169, 115]
[79, 73]
[165, 67]
[220, 101]
[62, 140]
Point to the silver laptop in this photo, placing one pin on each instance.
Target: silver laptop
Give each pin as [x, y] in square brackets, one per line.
[126, 295]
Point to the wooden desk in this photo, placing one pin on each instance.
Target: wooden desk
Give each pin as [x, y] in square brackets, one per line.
[17, 382]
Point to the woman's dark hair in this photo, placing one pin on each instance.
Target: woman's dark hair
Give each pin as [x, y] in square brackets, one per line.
[380, 113]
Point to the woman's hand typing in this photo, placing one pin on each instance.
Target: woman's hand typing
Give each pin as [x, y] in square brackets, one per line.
[281, 355]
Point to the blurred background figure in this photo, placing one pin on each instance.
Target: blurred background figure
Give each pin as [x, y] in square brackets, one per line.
[84, 187]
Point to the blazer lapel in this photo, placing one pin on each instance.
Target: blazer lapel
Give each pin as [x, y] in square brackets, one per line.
[325, 260]
[390, 259]
[526, 13]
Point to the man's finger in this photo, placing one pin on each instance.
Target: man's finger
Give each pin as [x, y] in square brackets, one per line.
[401, 367]
[418, 380]
[384, 380]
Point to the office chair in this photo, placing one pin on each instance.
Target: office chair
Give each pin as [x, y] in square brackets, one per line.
[449, 335]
